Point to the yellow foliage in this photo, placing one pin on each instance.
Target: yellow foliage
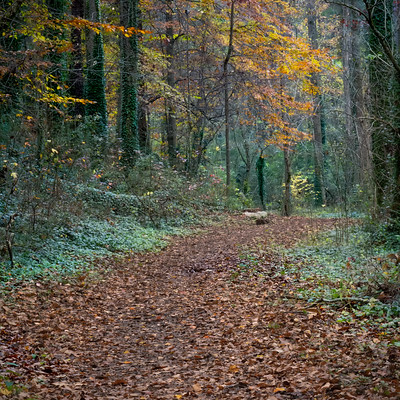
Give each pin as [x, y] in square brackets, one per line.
[97, 27]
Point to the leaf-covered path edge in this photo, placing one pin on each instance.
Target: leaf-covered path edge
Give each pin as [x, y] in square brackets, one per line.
[180, 324]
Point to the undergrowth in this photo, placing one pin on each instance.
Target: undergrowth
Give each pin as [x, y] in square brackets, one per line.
[72, 248]
[354, 268]
[357, 271]
[57, 224]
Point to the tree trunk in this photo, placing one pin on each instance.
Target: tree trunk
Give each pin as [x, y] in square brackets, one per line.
[247, 161]
[350, 162]
[226, 98]
[287, 201]
[76, 79]
[260, 165]
[395, 207]
[144, 133]
[143, 122]
[319, 181]
[380, 78]
[354, 99]
[58, 60]
[96, 83]
[129, 84]
[170, 111]
[360, 112]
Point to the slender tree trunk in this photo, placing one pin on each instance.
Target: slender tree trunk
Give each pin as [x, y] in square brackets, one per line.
[246, 183]
[260, 167]
[143, 121]
[355, 104]
[287, 202]
[350, 162]
[144, 133]
[170, 111]
[96, 83]
[380, 78]
[55, 122]
[347, 53]
[395, 206]
[129, 84]
[359, 105]
[226, 97]
[76, 79]
[395, 213]
[319, 183]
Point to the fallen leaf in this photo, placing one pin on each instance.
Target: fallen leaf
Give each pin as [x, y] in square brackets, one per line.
[5, 391]
[233, 369]
[197, 388]
[120, 382]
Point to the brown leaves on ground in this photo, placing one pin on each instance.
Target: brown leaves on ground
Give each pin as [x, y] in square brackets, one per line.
[173, 325]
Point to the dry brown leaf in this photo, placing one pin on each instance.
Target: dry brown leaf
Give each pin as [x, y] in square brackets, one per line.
[197, 388]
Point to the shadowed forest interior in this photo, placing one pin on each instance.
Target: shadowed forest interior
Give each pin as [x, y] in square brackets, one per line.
[127, 124]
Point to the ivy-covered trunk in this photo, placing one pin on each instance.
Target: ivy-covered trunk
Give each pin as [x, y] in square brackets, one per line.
[129, 84]
[95, 80]
[260, 166]
[287, 201]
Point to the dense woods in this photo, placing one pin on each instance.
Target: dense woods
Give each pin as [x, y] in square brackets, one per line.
[199, 199]
[156, 110]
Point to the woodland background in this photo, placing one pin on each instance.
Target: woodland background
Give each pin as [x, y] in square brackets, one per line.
[122, 121]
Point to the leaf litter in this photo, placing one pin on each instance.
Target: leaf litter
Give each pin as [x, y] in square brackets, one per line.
[176, 325]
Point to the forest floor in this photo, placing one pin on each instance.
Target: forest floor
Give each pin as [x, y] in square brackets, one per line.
[187, 323]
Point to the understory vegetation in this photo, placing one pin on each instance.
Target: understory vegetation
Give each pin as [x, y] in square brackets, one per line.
[354, 268]
[127, 126]
[124, 122]
[106, 216]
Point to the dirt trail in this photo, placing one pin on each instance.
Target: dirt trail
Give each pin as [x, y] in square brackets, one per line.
[173, 325]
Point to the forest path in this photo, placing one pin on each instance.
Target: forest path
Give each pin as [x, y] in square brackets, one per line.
[180, 324]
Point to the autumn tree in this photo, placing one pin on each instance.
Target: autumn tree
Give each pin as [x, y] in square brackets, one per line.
[188, 84]
[276, 65]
